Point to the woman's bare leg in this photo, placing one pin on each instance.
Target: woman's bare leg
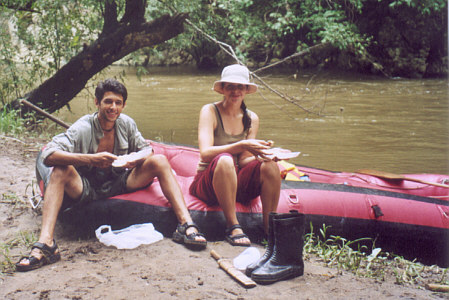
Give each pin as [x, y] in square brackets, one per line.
[225, 187]
[271, 187]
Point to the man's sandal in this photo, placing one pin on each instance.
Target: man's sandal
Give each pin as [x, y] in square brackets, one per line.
[232, 239]
[180, 236]
[50, 255]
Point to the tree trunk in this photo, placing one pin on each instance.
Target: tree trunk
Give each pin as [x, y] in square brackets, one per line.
[114, 43]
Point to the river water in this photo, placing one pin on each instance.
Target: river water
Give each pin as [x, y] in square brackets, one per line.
[356, 122]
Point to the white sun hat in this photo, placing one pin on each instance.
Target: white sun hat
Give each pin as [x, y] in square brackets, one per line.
[235, 74]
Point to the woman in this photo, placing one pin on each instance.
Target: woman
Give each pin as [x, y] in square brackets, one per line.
[233, 164]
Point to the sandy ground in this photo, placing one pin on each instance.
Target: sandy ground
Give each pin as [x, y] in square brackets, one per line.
[164, 270]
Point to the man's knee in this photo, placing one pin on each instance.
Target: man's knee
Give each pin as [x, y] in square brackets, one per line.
[158, 162]
[62, 173]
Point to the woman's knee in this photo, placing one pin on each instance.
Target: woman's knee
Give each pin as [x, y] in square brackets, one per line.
[225, 164]
[270, 169]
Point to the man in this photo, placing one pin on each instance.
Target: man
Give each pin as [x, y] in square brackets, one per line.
[82, 161]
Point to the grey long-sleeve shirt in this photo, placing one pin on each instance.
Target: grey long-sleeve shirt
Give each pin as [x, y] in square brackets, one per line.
[85, 134]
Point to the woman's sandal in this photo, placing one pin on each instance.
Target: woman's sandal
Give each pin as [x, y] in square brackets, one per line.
[189, 240]
[50, 255]
[232, 238]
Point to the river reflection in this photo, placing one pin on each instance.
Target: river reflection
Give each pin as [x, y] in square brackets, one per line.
[399, 126]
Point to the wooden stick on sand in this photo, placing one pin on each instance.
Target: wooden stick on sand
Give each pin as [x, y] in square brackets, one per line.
[44, 113]
[233, 271]
[437, 287]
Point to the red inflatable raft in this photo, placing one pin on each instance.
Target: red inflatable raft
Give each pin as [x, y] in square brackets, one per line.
[407, 217]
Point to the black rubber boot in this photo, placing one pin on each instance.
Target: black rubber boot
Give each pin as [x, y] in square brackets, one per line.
[269, 251]
[286, 260]
[249, 269]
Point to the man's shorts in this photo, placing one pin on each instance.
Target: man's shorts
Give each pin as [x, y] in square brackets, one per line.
[248, 182]
[100, 184]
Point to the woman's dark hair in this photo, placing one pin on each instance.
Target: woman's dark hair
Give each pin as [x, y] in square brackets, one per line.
[246, 118]
[110, 85]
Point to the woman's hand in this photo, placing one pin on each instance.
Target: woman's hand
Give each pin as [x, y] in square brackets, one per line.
[257, 147]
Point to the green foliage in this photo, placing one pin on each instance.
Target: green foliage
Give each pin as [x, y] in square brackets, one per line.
[11, 122]
[39, 39]
[336, 251]
[352, 256]
[426, 7]
[204, 14]
[23, 240]
[15, 125]
[261, 30]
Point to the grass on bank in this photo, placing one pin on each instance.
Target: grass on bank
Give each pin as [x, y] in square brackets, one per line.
[333, 251]
[337, 252]
[22, 240]
[13, 125]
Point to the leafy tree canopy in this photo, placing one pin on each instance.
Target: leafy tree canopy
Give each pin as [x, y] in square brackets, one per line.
[39, 37]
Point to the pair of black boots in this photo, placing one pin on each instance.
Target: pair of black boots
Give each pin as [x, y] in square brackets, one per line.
[283, 257]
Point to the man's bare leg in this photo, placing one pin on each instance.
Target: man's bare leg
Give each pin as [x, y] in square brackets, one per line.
[62, 179]
[158, 166]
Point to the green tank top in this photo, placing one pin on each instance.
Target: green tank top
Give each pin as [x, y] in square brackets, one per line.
[222, 138]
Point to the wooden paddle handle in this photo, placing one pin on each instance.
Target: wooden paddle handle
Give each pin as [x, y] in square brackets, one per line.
[437, 287]
[215, 255]
[427, 182]
[233, 271]
[392, 176]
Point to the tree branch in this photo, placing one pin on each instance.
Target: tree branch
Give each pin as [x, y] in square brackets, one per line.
[58, 90]
[230, 51]
[109, 17]
[134, 12]
[297, 54]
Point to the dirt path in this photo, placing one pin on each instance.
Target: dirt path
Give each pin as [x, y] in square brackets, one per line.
[164, 270]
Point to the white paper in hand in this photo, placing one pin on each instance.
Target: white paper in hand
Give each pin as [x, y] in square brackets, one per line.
[124, 159]
[280, 153]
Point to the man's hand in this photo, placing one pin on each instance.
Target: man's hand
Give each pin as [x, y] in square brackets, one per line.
[102, 159]
[134, 163]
